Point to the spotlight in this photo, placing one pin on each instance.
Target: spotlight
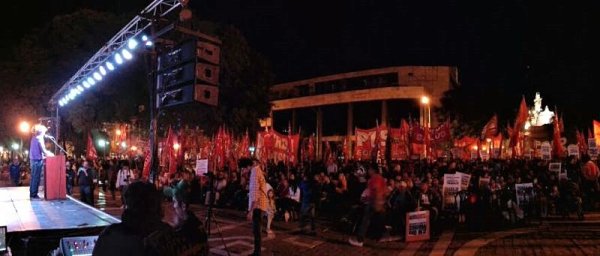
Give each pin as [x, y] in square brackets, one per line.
[144, 38]
[132, 43]
[118, 59]
[80, 89]
[97, 76]
[72, 94]
[110, 66]
[149, 43]
[61, 103]
[126, 54]
[86, 84]
[74, 91]
[91, 81]
[102, 70]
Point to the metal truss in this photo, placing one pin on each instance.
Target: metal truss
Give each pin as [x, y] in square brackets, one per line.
[156, 9]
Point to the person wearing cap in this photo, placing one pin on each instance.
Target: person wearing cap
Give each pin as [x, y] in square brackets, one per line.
[37, 154]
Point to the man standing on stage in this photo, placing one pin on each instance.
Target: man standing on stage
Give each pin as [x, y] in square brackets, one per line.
[258, 202]
[37, 154]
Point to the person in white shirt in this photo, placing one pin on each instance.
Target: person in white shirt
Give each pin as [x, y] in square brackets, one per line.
[124, 178]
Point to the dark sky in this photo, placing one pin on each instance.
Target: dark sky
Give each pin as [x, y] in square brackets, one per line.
[519, 45]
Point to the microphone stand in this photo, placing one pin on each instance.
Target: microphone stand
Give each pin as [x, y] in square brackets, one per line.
[57, 145]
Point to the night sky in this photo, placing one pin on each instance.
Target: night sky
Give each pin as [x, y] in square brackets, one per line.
[519, 46]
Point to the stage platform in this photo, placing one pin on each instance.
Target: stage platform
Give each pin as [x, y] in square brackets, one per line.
[20, 214]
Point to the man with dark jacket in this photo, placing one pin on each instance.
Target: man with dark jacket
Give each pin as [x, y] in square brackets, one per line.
[310, 193]
[85, 177]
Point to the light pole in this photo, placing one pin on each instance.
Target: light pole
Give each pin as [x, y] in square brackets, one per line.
[426, 118]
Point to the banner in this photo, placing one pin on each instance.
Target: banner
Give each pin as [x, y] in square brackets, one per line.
[525, 194]
[573, 150]
[417, 140]
[417, 226]
[364, 143]
[491, 128]
[399, 144]
[91, 149]
[546, 150]
[465, 179]
[441, 133]
[201, 167]
[450, 189]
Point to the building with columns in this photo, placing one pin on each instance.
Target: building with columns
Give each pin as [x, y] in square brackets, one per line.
[337, 104]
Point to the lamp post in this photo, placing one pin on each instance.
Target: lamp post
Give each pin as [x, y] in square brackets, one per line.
[426, 117]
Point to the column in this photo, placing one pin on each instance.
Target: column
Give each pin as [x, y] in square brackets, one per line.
[350, 120]
[384, 113]
[319, 128]
[294, 128]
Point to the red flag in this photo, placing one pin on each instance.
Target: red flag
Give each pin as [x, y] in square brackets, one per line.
[311, 148]
[441, 133]
[581, 142]
[417, 139]
[364, 146]
[346, 150]
[596, 126]
[91, 149]
[245, 146]
[491, 128]
[147, 158]
[522, 116]
[558, 149]
[169, 148]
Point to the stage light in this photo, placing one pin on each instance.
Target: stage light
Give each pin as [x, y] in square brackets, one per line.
[86, 84]
[73, 92]
[102, 70]
[91, 81]
[149, 43]
[80, 88]
[144, 38]
[118, 59]
[61, 103]
[126, 54]
[132, 44]
[110, 66]
[97, 76]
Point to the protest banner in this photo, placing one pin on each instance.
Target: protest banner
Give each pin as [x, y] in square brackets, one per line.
[417, 226]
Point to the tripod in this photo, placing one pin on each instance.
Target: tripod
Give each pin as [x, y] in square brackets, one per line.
[210, 215]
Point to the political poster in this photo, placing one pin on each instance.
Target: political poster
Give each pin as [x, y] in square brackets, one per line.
[450, 189]
[525, 194]
[546, 150]
[201, 167]
[554, 167]
[573, 150]
[465, 179]
[417, 226]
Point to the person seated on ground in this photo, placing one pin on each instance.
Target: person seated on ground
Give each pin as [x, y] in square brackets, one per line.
[142, 231]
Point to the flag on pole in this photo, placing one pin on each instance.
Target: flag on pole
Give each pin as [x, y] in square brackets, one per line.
[522, 116]
[491, 128]
[91, 149]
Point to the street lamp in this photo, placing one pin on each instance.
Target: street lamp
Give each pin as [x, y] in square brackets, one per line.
[102, 143]
[176, 146]
[24, 127]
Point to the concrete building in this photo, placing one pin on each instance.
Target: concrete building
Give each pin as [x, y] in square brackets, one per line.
[422, 85]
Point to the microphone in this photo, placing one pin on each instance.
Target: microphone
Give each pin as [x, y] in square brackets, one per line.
[48, 136]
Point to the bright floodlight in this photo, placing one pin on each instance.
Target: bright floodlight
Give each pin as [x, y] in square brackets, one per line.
[74, 91]
[118, 59]
[126, 54]
[91, 81]
[86, 84]
[110, 66]
[149, 43]
[132, 44]
[102, 70]
[97, 76]
[144, 38]
[61, 103]
[425, 100]
[80, 88]
[72, 94]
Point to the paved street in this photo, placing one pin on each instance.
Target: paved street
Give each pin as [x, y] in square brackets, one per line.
[230, 232]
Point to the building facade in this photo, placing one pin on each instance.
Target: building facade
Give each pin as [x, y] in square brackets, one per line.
[422, 85]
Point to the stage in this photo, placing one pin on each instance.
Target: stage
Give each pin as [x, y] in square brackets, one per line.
[43, 223]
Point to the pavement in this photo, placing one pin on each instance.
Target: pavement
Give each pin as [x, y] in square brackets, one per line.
[231, 234]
